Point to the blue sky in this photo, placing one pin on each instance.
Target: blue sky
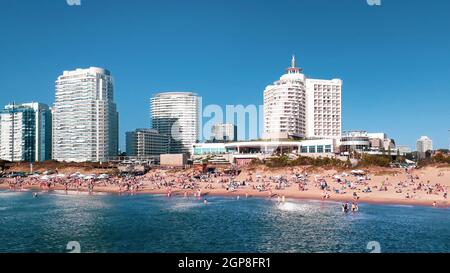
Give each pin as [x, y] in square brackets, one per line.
[394, 59]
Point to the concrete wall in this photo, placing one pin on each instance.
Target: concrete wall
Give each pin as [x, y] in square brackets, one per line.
[173, 160]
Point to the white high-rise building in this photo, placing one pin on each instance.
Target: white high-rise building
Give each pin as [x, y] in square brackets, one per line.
[323, 108]
[296, 106]
[285, 105]
[176, 114]
[85, 118]
[424, 144]
[224, 132]
[25, 132]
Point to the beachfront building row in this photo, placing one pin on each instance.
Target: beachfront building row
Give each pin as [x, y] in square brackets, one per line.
[298, 107]
[244, 152]
[85, 118]
[25, 132]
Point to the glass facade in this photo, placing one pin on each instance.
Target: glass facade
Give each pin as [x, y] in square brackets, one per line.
[25, 132]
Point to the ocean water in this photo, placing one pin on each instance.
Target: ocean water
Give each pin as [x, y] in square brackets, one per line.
[151, 223]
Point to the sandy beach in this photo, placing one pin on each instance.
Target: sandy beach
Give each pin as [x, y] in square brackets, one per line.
[426, 186]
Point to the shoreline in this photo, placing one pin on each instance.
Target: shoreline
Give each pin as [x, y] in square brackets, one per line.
[242, 194]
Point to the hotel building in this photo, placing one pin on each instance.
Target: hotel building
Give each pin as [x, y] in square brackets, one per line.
[176, 114]
[298, 107]
[85, 118]
[25, 132]
[323, 108]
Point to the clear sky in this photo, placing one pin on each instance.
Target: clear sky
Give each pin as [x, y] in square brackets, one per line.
[394, 59]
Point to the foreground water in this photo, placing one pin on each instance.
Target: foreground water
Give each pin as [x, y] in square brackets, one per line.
[149, 223]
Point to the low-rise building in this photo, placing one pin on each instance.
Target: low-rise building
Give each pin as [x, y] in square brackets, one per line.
[403, 149]
[364, 142]
[173, 160]
[246, 151]
[146, 142]
[355, 141]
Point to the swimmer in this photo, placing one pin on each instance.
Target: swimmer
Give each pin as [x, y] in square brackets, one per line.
[35, 195]
[205, 202]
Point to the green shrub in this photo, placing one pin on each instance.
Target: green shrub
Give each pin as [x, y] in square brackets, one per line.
[374, 160]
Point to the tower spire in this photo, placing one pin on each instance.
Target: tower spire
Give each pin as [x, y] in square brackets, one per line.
[293, 69]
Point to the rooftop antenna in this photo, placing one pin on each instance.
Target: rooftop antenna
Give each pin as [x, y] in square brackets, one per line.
[293, 62]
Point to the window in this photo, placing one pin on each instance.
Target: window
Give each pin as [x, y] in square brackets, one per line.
[312, 149]
[320, 149]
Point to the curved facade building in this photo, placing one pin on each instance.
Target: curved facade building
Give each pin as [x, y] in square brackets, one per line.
[85, 119]
[176, 114]
[355, 141]
[284, 105]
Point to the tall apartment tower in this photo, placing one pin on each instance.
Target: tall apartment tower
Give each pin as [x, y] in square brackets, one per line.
[85, 118]
[298, 107]
[176, 115]
[25, 132]
[284, 105]
[424, 144]
[324, 108]
[224, 132]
